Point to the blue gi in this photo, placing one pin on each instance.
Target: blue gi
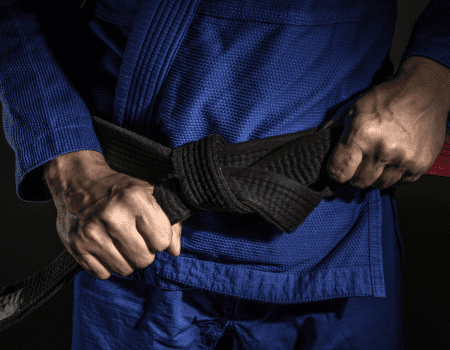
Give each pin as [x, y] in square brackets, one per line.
[244, 69]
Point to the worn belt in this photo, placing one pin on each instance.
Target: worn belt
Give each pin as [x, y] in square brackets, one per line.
[281, 178]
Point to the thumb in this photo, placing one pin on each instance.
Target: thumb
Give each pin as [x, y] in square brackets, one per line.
[175, 244]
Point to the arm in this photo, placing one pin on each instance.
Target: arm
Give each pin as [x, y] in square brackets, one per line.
[431, 37]
[44, 116]
[108, 221]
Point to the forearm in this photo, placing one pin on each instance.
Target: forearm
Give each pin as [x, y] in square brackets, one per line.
[430, 71]
[420, 78]
[62, 170]
[428, 49]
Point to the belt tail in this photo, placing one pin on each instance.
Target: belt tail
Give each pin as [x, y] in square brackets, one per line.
[19, 300]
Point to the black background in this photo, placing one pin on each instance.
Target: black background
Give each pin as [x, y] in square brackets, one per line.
[29, 242]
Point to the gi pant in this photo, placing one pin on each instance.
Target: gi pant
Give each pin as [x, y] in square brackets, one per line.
[122, 314]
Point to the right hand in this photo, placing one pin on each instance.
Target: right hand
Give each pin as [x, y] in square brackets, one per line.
[108, 221]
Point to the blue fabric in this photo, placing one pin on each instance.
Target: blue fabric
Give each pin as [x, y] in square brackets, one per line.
[124, 314]
[244, 69]
[251, 74]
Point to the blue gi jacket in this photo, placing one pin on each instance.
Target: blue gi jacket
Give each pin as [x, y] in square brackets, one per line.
[244, 69]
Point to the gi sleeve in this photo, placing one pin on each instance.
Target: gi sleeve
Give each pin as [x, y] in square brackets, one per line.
[44, 116]
[431, 34]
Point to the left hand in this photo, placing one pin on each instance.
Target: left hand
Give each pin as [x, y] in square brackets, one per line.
[395, 131]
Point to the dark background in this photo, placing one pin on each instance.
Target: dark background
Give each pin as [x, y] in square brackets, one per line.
[29, 242]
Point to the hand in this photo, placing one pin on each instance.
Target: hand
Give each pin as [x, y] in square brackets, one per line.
[108, 221]
[396, 130]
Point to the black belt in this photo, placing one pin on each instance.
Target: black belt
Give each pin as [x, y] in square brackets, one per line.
[281, 178]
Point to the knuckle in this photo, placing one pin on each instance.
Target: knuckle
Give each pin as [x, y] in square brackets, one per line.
[75, 246]
[145, 187]
[91, 232]
[144, 263]
[112, 212]
[162, 242]
[425, 166]
[133, 192]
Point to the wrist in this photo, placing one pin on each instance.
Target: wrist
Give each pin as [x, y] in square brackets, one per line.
[59, 172]
[427, 76]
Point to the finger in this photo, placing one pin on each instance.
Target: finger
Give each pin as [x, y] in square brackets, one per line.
[369, 171]
[344, 162]
[175, 244]
[124, 242]
[110, 254]
[94, 267]
[408, 178]
[154, 226]
[87, 261]
[388, 178]
[119, 261]
[146, 256]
